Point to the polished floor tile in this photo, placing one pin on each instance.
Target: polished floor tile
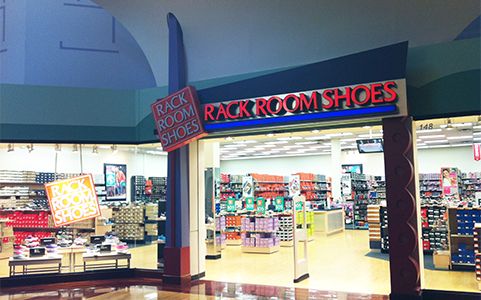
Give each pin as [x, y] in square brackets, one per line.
[134, 289]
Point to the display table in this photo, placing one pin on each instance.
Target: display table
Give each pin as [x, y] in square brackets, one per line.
[72, 252]
[113, 257]
[329, 221]
[44, 262]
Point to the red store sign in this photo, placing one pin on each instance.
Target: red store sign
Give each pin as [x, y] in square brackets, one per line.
[357, 96]
[177, 119]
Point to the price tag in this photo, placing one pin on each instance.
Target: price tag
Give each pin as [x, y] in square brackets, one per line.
[279, 203]
[230, 205]
[250, 203]
[261, 205]
[298, 205]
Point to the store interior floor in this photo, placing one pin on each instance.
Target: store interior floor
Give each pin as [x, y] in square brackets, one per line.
[339, 262]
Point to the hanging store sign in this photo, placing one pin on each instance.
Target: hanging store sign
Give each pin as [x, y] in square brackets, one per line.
[294, 185]
[247, 186]
[177, 119]
[356, 101]
[477, 151]
[72, 200]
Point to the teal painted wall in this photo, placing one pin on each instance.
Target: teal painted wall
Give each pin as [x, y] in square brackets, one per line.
[443, 80]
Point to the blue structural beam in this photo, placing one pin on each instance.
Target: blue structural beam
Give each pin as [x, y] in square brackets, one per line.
[177, 250]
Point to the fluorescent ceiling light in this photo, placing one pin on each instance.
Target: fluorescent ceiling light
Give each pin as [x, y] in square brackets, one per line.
[259, 147]
[436, 141]
[294, 152]
[349, 140]
[366, 127]
[234, 145]
[247, 151]
[461, 137]
[306, 143]
[339, 134]
[315, 131]
[434, 136]
[293, 146]
[370, 135]
[429, 130]
[477, 133]
[268, 145]
[477, 139]
[317, 137]
[462, 145]
[462, 124]
[245, 142]
[438, 146]
[277, 142]
[477, 127]
[320, 146]
[291, 138]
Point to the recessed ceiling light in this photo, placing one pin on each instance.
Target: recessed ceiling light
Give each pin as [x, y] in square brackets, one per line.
[366, 127]
[434, 136]
[270, 134]
[315, 131]
[228, 138]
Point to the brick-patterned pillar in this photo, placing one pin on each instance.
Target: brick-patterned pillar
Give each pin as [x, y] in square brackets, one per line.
[402, 208]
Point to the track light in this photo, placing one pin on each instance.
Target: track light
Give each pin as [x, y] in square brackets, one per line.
[10, 148]
[95, 149]
[58, 147]
[30, 148]
[448, 125]
[113, 148]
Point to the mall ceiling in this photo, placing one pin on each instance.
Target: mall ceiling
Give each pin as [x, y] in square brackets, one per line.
[225, 38]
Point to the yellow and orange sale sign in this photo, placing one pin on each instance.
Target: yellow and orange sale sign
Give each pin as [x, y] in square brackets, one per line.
[72, 200]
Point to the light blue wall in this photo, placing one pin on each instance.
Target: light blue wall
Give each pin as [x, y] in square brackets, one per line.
[72, 43]
[12, 40]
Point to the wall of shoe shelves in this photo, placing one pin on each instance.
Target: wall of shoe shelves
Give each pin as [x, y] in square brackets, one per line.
[24, 208]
